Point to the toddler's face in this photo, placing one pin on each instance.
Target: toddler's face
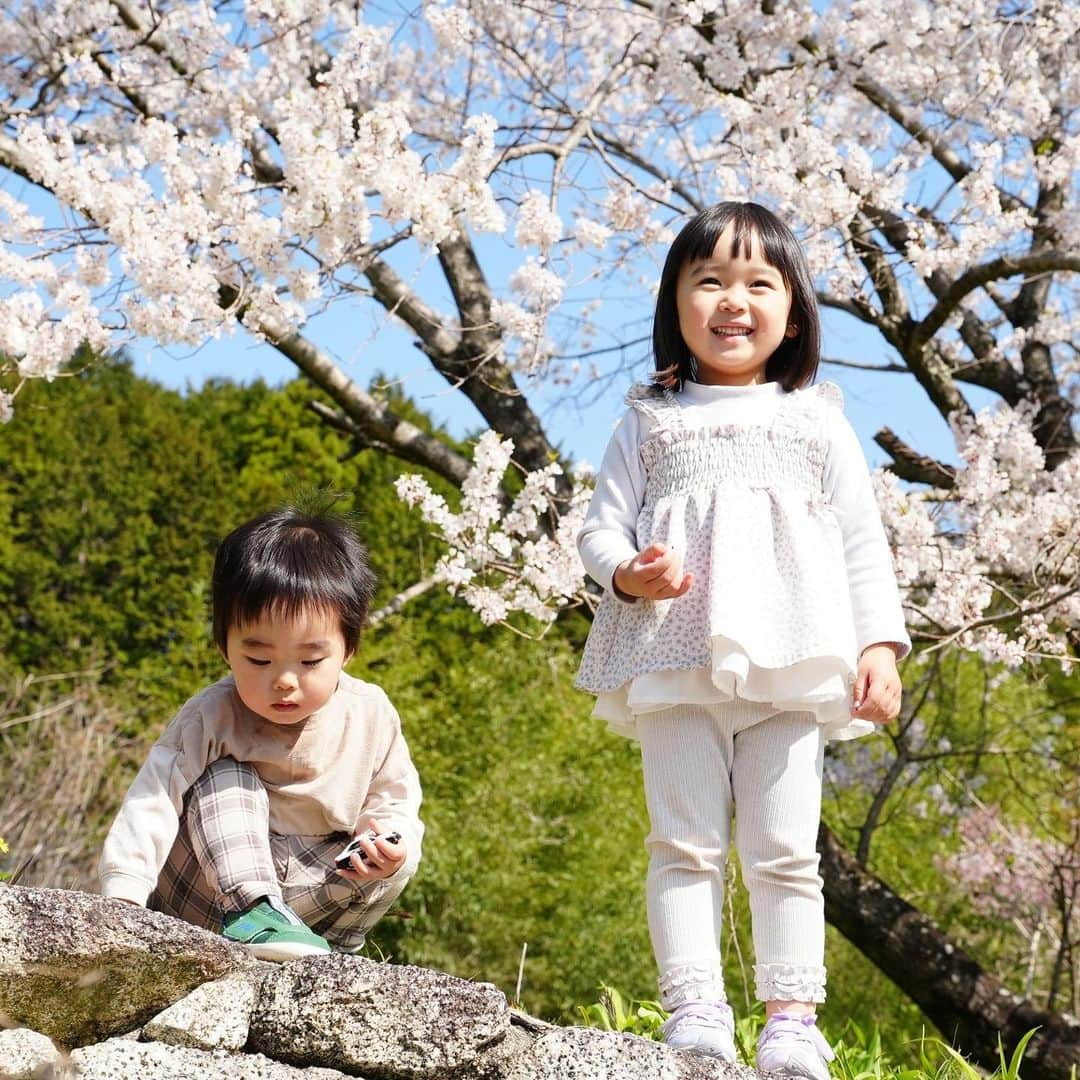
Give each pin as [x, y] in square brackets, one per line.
[287, 669]
[734, 313]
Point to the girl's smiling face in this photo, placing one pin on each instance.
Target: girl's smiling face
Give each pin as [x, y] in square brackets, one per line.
[734, 312]
[287, 668]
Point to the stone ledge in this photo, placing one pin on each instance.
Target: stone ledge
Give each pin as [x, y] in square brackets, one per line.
[135, 995]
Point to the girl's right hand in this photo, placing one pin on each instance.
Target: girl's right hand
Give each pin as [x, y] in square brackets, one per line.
[655, 574]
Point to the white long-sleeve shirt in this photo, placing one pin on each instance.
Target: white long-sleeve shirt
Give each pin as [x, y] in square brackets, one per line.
[610, 535]
[343, 765]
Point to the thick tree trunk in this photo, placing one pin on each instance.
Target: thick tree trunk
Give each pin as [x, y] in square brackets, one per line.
[966, 1002]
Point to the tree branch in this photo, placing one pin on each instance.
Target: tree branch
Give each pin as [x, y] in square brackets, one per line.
[373, 417]
[908, 464]
[398, 299]
[943, 154]
[470, 359]
[895, 316]
[968, 1004]
[477, 367]
[1053, 425]
[393, 606]
[899, 369]
[995, 375]
[1003, 267]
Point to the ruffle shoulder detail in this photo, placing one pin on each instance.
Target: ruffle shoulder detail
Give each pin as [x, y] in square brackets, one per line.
[651, 401]
[830, 393]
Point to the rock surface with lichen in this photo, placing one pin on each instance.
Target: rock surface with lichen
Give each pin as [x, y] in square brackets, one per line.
[121, 993]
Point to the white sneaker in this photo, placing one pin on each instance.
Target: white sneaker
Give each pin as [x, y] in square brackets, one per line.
[706, 1027]
[792, 1044]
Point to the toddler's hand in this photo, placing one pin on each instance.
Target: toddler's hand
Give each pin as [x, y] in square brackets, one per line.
[876, 695]
[383, 858]
[655, 574]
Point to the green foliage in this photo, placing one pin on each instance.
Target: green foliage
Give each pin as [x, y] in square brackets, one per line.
[3, 851]
[613, 1012]
[535, 816]
[108, 497]
[981, 737]
[534, 813]
[113, 495]
[1008, 1070]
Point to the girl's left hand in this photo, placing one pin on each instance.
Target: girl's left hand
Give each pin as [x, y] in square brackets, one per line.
[383, 858]
[876, 694]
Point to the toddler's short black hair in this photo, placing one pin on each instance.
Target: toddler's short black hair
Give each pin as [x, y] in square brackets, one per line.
[288, 561]
[795, 362]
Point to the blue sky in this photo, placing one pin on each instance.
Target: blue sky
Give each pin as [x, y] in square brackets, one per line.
[364, 340]
[364, 343]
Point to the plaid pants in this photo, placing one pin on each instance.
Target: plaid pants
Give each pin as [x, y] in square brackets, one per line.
[225, 859]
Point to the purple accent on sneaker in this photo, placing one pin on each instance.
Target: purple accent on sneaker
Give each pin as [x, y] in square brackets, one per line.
[705, 1027]
[791, 1043]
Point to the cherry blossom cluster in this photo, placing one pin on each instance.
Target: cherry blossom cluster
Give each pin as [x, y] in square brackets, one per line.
[242, 163]
[504, 559]
[994, 563]
[257, 143]
[963, 565]
[187, 162]
[1014, 875]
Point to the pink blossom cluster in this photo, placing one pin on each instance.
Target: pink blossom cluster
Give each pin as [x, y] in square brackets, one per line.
[1012, 874]
[247, 160]
[264, 144]
[233, 169]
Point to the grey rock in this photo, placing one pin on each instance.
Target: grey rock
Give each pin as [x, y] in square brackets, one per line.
[381, 1020]
[24, 1054]
[496, 1059]
[80, 968]
[121, 1059]
[214, 1016]
[588, 1054]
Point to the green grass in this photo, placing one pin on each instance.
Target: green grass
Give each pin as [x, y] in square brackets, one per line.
[859, 1051]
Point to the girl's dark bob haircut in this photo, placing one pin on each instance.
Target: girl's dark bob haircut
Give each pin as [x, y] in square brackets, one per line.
[795, 362]
[287, 562]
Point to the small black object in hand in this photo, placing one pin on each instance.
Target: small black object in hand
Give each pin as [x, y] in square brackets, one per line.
[344, 858]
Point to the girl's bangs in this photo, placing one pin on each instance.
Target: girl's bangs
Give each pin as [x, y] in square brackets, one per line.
[746, 228]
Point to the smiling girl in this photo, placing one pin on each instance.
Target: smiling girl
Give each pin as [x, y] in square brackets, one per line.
[750, 612]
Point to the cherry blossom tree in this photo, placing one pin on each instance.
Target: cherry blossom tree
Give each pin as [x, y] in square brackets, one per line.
[246, 165]
[239, 167]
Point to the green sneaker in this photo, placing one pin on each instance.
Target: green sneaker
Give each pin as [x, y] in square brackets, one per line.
[272, 931]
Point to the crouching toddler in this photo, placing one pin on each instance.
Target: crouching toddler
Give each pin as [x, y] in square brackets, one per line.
[261, 780]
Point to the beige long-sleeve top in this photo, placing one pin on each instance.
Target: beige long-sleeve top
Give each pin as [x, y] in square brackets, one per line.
[330, 773]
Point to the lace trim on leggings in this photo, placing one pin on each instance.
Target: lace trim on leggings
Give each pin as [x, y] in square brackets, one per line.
[691, 982]
[789, 982]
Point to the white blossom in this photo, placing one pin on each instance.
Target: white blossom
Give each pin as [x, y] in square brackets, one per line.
[538, 286]
[537, 223]
[503, 561]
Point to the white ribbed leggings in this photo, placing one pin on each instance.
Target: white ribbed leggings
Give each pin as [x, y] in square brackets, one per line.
[699, 762]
